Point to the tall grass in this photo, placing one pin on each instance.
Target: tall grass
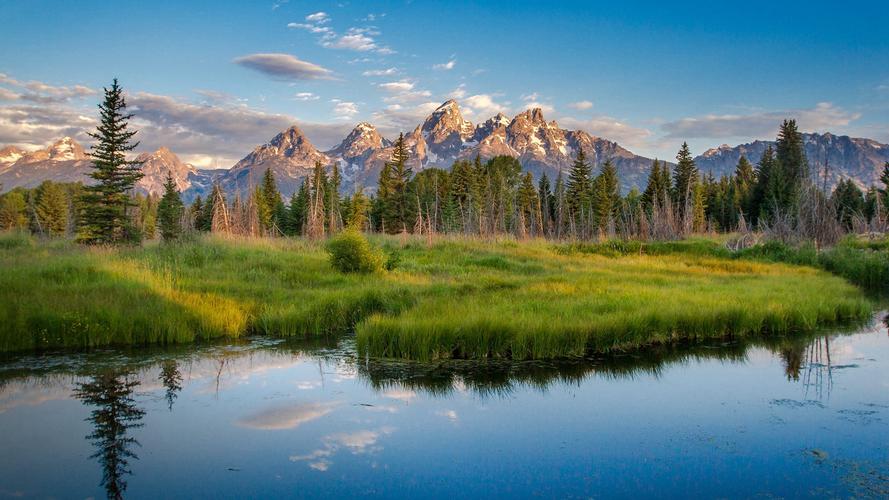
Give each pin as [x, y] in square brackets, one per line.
[458, 298]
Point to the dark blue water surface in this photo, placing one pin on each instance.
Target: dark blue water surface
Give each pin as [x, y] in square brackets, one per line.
[788, 417]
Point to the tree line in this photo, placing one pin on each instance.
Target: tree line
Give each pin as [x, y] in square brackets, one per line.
[778, 194]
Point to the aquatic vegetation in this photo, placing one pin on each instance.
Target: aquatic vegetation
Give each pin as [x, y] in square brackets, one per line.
[456, 298]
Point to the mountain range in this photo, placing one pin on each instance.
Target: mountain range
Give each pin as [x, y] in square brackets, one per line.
[444, 137]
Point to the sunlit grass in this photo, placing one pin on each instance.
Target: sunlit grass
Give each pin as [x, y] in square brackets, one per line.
[459, 297]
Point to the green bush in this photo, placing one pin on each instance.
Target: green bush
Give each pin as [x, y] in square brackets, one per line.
[350, 252]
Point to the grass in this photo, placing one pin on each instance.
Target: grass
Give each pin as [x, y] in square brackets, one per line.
[459, 298]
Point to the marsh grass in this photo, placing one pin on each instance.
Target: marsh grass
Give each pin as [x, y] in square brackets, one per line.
[456, 298]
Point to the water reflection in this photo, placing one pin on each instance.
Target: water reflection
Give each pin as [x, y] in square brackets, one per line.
[115, 414]
[323, 408]
[172, 381]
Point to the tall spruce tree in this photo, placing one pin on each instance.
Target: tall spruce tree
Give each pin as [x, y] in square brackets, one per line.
[393, 194]
[106, 203]
[579, 188]
[169, 211]
[269, 207]
[653, 188]
[685, 176]
[606, 199]
[884, 178]
[51, 209]
[790, 152]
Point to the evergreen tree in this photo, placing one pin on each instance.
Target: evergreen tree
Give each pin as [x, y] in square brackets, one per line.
[169, 211]
[606, 196]
[884, 178]
[106, 202]
[849, 202]
[654, 186]
[762, 200]
[791, 154]
[547, 202]
[685, 177]
[579, 189]
[12, 210]
[195, 211]
[52, 209]
[269, 207]
[393, 197]
[334, 213]
[359, 206]
[743, 186]
[559, 208]
[699, 208]
[215, 204]
[529, 207]
[299, 209]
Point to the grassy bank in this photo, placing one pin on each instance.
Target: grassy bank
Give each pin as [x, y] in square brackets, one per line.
[458, 298]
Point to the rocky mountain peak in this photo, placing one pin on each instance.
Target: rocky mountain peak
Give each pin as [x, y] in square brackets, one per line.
[291, 142]
[445, 120]
[155, 167]
[10, 155]
[66, 149]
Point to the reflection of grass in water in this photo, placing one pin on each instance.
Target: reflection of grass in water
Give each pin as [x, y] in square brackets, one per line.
[501, 378]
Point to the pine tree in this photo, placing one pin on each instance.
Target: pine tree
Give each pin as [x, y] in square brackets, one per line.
[884, 178]
[761, 200]
[791, 154]
[744, 182]
[169, 211]
[12, 210]
[607, 195]
[849, 202]
[699, 208]
[685, 176]
[106, 203]
[529, 207]
[359, 206]
[298, 211]
[579, 189]
[547, 202]
[653, 188]
[194, 212]
[52, 209]
[334, 214]
[268, 203]
[394, 179]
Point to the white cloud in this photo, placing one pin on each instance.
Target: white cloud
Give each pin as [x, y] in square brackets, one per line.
[609, 128]
[581, 105]
[482, 106]
[318, 17]
[546, 108]
[396, 118]
[380, 72]
[763, 124]
[445, 66]
[40, 92]
[312, 28]
[284, 67]
[352, 40]
[344, 110]
[533, 96]
[458, 93]
[305, 96]
[399, 86]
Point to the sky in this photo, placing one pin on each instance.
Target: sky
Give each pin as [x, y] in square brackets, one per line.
[212, 80]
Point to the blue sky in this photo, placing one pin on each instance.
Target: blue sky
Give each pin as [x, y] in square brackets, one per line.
[213, 79]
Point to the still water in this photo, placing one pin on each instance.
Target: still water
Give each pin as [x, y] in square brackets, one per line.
[790, 417]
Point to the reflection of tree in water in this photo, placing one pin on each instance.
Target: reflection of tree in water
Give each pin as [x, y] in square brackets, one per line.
[172, 380]
[115, 414]
[810, 362]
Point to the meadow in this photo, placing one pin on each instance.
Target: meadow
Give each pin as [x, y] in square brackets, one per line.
[454, 298]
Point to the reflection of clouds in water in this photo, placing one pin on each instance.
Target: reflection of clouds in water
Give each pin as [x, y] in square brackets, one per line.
[306, 385]
[287, 417]
[405, 395]
[449, 414]
[358, 443]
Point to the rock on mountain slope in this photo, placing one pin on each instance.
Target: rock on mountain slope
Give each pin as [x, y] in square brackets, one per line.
[841, 156]
[289, 155]
[156, 165]
[63, 161]
[66, 161]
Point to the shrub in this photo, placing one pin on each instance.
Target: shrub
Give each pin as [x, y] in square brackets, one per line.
[350, 252]
[393, 260]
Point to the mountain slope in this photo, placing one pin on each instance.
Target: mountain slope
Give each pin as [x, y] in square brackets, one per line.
[840, 156]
